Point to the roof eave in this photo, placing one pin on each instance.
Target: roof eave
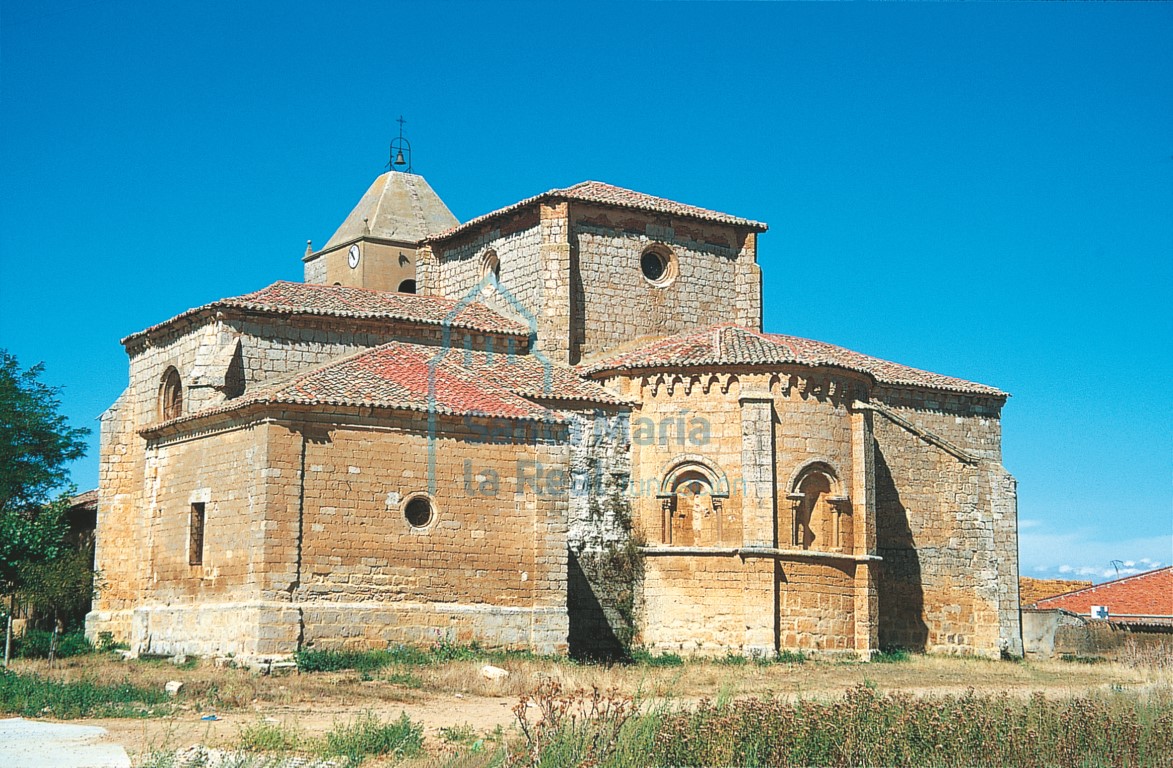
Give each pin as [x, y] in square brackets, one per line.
[561, 195]
[261, 404]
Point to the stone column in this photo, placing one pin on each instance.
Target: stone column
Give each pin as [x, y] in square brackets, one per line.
[554, 298]
[1004, 508]
[863, 509]
[758, 519]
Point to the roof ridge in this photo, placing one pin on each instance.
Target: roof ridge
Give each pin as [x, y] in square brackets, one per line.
[774, 349]
[411, 308]
[653, 203]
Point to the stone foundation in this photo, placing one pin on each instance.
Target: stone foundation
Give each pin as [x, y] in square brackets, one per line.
[253, 629]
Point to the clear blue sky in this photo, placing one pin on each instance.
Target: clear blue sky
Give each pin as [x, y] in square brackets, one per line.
[983, 190]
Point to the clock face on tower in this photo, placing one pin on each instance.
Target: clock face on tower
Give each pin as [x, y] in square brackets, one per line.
[352, 256]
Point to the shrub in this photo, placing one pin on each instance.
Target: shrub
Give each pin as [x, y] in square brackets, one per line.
[34, 644]
[106, 643]
[368, 735]
[891, 656]
[581, 728]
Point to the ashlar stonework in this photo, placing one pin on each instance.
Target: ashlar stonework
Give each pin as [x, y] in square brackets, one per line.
[557, 427]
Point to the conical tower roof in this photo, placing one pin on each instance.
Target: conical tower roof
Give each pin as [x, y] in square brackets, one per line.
[398, 206]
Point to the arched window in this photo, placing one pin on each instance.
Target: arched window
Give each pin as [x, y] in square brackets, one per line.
[693, 519]
[407, 286]
[170, 395]
[812, 514]
[490, 270]
[822, 519]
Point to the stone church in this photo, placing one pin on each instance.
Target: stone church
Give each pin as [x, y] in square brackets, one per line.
[559, 427]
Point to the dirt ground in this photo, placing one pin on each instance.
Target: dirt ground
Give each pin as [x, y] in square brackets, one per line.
[456, 694]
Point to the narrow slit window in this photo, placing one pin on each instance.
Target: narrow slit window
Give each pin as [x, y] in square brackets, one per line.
[196, 540]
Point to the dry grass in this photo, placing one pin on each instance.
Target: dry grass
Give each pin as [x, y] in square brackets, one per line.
[454, 693]
[225, 689]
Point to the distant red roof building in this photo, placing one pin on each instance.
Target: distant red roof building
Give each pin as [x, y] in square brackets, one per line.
[1146, 598]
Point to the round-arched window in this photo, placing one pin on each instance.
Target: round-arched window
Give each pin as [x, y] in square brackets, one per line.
[658, 264]
[170, 395]
[419, 512]
[407, 286]
[490, 269]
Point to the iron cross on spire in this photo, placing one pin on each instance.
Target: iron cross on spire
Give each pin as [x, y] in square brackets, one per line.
[400, 151]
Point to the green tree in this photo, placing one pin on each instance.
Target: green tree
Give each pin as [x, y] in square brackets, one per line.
[59, 588]
[36, 444]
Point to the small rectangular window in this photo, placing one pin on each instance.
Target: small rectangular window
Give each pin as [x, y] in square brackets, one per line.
[195, 545]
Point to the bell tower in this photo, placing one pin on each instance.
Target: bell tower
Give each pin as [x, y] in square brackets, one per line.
[375, 247]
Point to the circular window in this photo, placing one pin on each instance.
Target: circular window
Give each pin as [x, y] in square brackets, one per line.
[419, 512]
[658, 265]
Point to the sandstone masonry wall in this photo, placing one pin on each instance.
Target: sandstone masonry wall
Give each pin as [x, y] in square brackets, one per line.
[739, 582]
[490, 566]
[716, 278]
[946, 526]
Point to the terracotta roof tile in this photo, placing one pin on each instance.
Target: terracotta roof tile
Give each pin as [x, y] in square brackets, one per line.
[729, 344]
[1145, 594]
[1032, 590]
[405, 376]
[534, 377]
[399, 375]
[607, 194]
[360, 303]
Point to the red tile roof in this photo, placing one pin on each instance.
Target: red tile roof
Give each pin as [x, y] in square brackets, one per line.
[607, 194]
[417, 377]
[1145, 594]
[405, 376]
[360, 303]
[534, 377]
[730, 344]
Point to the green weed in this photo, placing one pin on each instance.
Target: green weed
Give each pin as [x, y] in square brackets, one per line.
[406, 680]
[32, 696]
[1070, 657]
[862, 728]
[645, 657]
[367, 735]
[891, 656]
[790, 657]
[459, 734]
[440, 652]
[270, 737]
